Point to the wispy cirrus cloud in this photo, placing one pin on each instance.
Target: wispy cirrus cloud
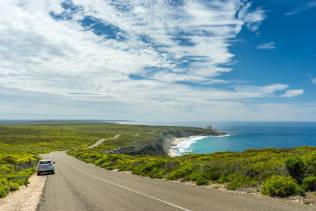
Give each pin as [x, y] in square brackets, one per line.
[253, 19]
[314, 81]
[127, 53]
[266, 46]
[303, 7]
[47, 44]
[293, 93]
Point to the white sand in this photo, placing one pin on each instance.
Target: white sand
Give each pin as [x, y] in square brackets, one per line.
[173, 151]
[178, 145]
[26, 198]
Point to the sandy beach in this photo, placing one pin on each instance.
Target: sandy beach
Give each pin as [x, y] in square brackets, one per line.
[173, 150]
[178, 146]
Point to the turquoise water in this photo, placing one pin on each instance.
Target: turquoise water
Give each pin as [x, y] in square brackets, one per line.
[255, 135]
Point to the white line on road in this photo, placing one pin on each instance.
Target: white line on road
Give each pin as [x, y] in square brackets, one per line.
[131, 190]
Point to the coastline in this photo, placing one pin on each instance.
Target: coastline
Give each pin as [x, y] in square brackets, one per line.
[179, 146]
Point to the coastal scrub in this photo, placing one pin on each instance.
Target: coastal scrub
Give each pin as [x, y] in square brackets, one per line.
[273, 171]
[281, 186]
[15, 170]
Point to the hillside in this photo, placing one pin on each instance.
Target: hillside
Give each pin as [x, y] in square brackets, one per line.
[143, 151]
[20, 144]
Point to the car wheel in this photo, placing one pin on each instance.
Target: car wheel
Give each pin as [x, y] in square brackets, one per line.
[38, 173]
[53, 172]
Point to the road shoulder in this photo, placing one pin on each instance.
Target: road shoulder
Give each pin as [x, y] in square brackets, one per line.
[26, 198]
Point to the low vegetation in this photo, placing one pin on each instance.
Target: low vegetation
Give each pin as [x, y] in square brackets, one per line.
[20, 144]
[46, 137]
[275, 172]
[41, 138]
[15, 169]
[281, 186]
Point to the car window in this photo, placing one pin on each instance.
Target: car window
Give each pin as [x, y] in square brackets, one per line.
[45, 162]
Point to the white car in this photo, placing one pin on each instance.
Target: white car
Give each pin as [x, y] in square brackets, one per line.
[45, 166]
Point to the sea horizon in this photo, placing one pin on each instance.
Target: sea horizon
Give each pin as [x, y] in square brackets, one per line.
[155, 122]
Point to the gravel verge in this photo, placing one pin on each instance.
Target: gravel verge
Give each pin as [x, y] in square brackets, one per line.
[26, 198]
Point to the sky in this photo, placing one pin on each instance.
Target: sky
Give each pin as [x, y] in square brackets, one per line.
[164, 60]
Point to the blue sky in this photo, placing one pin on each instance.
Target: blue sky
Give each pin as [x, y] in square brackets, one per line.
[158, 60]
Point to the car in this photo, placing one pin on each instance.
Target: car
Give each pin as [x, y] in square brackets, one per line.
[45, 166]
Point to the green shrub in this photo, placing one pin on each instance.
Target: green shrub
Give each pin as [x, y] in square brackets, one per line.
[223, 179]
[252, 171]
[152, 168]
[4, 187]
[180, 173]
[171, 165]
[197, 177]
[310, 162]
[156, 173]
[309, 183]
[296, 168]
[237, 181]
[202, 181]
[15, 169]
[9, 159]
[237, 170]
[4, 190]
[234, 185]
[13, 186]
[280, 186]
[212, 172]
[99, 162]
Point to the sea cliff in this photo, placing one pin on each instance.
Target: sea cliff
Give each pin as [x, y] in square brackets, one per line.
[160, 144]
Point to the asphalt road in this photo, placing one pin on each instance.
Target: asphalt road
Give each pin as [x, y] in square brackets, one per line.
[79, 186]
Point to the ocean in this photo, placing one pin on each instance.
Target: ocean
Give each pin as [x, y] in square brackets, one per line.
[254, 135]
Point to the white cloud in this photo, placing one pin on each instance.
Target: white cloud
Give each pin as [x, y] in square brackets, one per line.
[252, 19]
[314, 81]
[266, 46]
[293, 92]
[61, 56]
[303, 7]
[80, 70]
[21, 106]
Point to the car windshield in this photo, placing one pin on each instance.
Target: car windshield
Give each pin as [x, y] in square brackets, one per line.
[45, 162]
